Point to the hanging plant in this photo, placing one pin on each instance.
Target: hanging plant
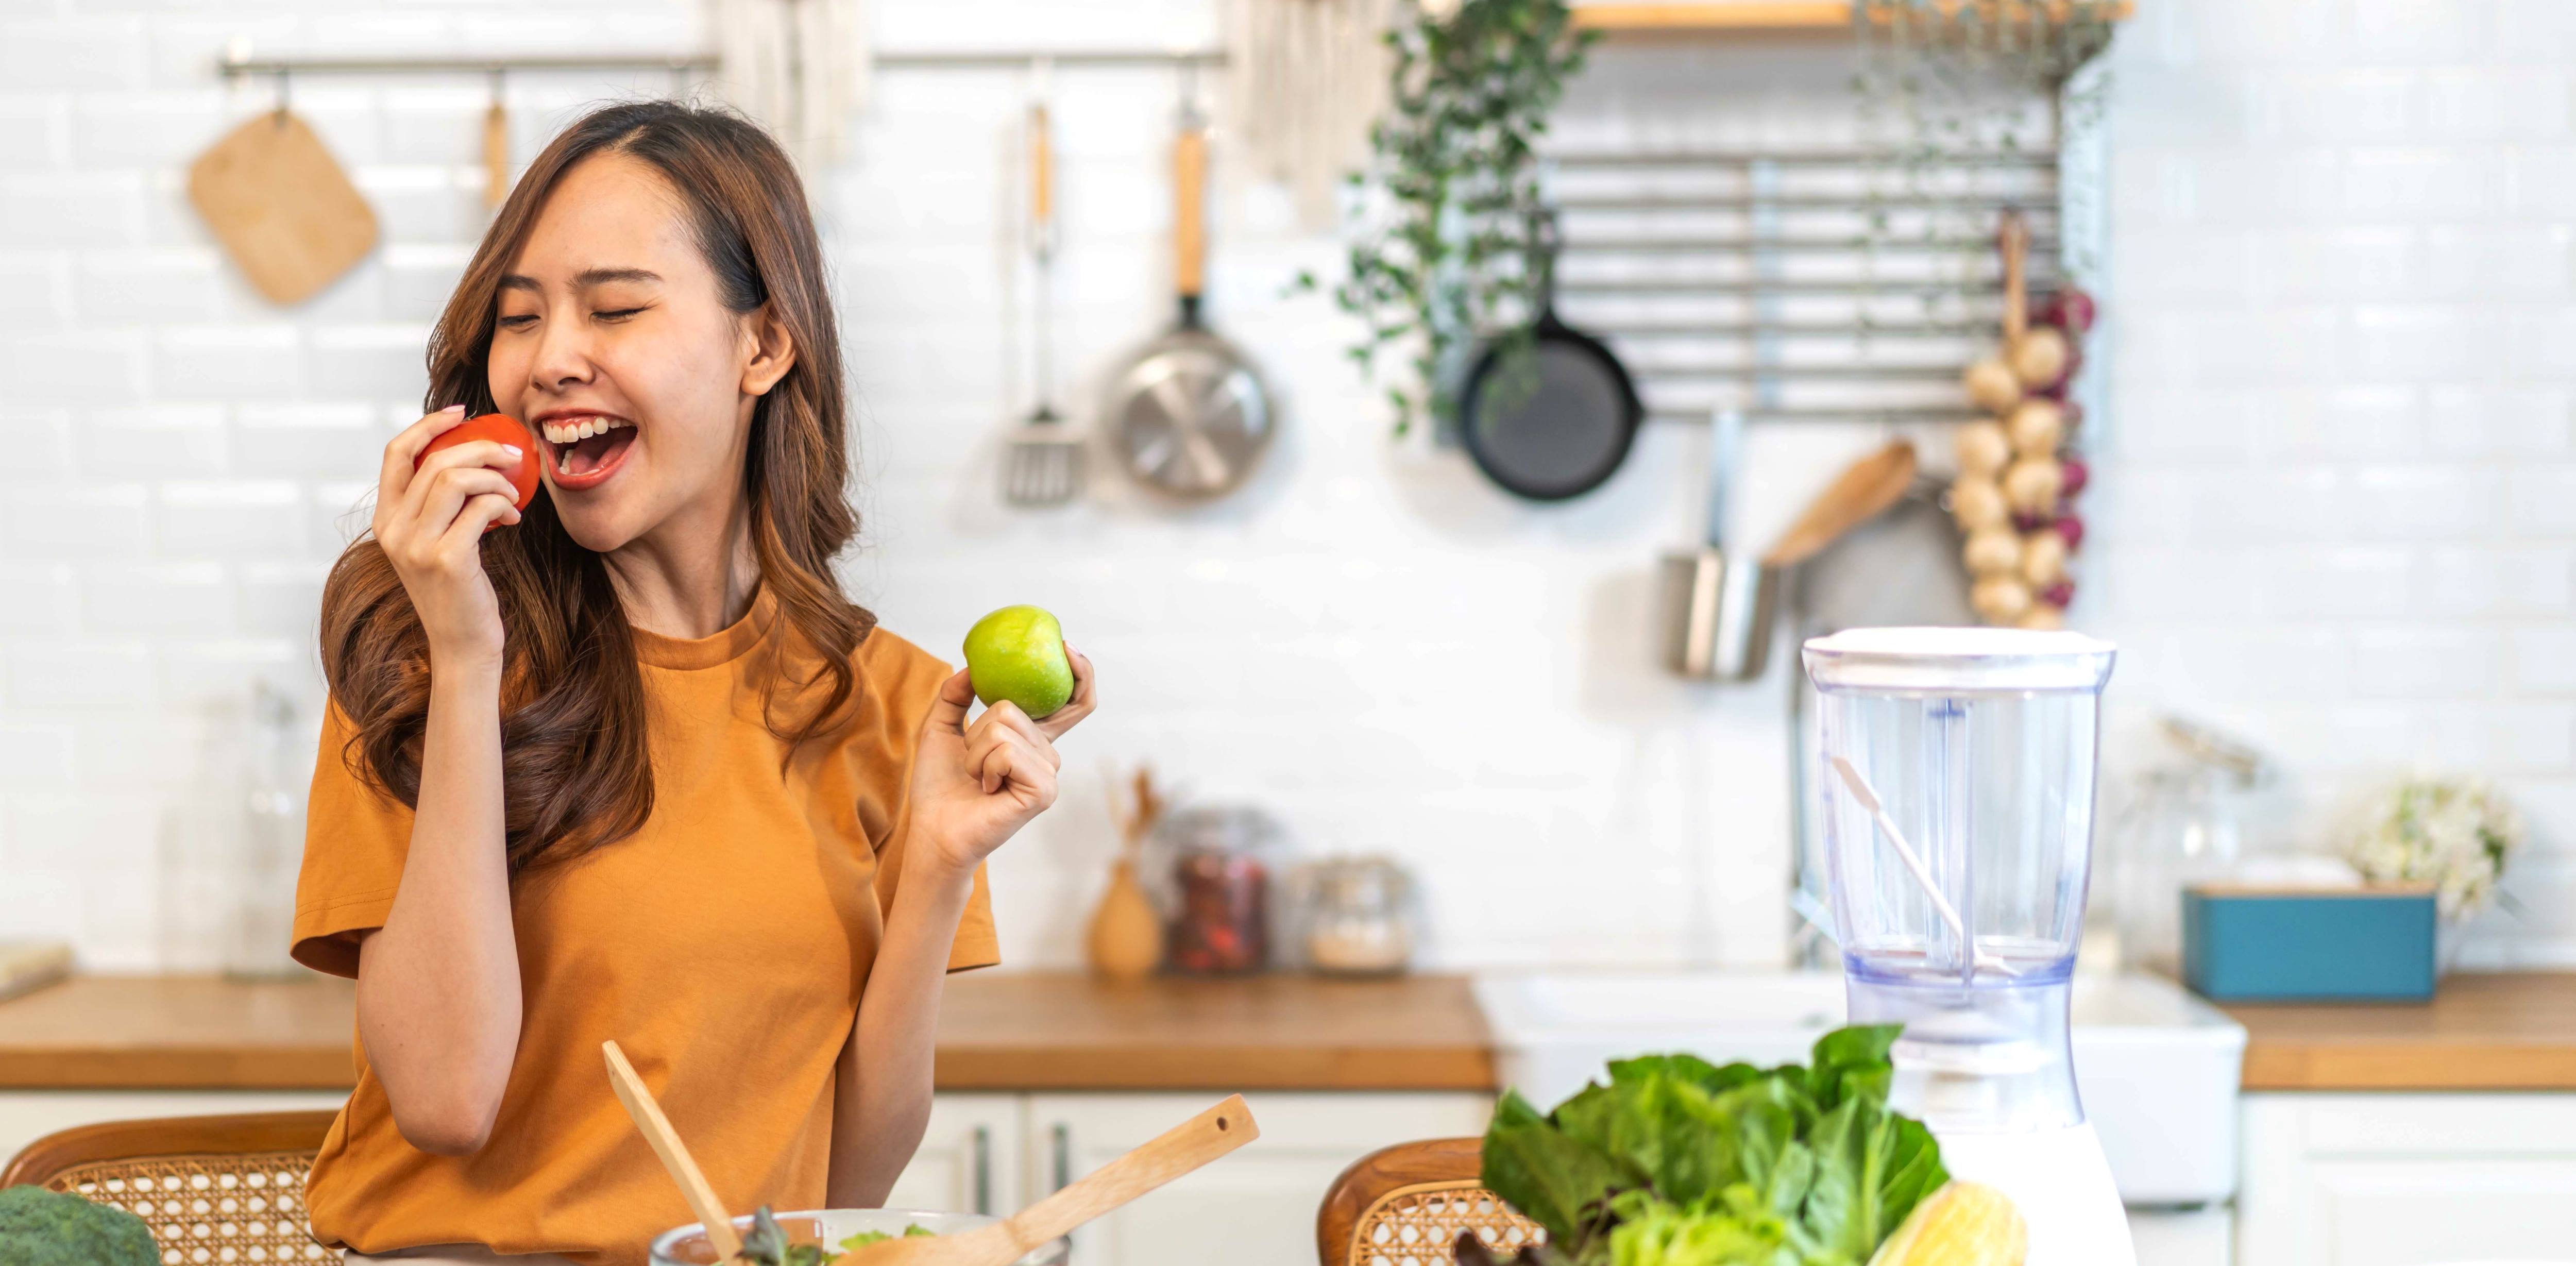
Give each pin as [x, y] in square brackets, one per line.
[1944, 86]
[1443, 251]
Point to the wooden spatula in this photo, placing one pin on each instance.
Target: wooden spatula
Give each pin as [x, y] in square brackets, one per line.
[1193, 1143]
[1865, 489]
[657, 1131]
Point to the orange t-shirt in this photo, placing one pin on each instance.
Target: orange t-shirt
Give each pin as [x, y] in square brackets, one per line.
[723, 946]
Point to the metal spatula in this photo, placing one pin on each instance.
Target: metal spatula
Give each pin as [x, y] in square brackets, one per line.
[1042, 464]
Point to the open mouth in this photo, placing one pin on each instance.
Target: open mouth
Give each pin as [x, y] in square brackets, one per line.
[586, 450]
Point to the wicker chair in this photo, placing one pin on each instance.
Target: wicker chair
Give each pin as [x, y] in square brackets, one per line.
[1406, 1205]
[213, 1189]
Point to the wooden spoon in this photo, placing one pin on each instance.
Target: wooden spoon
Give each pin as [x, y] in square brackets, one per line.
[657, 1131]
[1186, 1147]
[1862, 492]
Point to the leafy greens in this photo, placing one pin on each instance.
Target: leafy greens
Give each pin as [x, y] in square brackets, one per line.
[862, 1239]
[766, 1244]
[1679, 1162]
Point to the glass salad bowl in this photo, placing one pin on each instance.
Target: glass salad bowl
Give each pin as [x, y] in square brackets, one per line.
[688, 1246]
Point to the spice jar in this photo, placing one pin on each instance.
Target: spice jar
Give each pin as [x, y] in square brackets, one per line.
[1221, 891]
[1360, 923]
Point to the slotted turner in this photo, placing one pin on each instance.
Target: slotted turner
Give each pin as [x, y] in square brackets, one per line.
[1185, 1147]
[1042, 464]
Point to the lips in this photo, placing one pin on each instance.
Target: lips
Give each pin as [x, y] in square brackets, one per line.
[583, 449]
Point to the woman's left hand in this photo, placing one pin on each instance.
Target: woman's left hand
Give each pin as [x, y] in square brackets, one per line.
[974, 786]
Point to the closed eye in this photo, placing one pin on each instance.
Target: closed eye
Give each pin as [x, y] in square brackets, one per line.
[516, 322]
[616, 314]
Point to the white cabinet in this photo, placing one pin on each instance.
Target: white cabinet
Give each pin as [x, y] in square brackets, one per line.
[2407, 1180]
[2205, 1236]
[1254, 1208]
[28, 1115]
[970, 1157]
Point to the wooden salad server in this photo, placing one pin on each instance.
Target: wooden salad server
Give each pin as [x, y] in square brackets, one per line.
[657, 1131]
[1178, 1151]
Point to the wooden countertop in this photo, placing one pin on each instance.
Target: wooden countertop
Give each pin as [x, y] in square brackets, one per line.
[1044, 1031]
[1065, 1031]
[2500, 1031]
[1017, 1031]
[181, 1032]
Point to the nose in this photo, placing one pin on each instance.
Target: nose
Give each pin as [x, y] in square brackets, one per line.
[563, 353]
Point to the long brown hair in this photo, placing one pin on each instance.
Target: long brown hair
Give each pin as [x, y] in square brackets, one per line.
[575, 770]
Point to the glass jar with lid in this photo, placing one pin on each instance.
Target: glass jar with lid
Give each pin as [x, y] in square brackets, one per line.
[1360, 921]
[1220, 924]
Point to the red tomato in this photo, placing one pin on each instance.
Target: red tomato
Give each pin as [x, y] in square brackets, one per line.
[499, 428]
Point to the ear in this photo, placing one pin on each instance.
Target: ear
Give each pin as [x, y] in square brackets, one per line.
[772, 352]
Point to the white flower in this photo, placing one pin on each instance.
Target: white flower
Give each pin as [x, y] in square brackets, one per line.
[2455, 833]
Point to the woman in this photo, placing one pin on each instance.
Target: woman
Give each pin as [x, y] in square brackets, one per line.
[630, 766]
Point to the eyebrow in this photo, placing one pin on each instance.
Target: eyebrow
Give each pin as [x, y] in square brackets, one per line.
[584, 279]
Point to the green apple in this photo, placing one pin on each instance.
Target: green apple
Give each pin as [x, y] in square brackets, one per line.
[1017, 653]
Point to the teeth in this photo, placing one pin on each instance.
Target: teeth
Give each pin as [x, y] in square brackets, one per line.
[574, 432]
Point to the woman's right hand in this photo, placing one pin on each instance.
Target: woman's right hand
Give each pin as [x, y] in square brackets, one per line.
[430, 523]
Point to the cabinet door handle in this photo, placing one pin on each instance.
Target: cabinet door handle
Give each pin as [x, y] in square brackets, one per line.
[1060, 1140]
[983, 1170]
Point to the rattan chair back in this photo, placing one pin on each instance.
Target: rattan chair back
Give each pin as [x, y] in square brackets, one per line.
[213, 1189]
[1406, 1206]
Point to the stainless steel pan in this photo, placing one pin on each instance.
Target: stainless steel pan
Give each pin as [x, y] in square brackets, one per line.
[1189, 416]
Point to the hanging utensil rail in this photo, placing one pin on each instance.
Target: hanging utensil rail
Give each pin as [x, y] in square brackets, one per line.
[1680, 245]
[234, 64]
[1803, 284]
[1593, 200]
[2025, 160]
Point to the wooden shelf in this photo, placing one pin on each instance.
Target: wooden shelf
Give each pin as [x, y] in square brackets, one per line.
[1721, 16]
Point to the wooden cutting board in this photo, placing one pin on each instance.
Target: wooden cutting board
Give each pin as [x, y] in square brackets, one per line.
[283, 209]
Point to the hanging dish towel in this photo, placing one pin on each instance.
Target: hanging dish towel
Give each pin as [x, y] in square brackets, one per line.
[800, 67]
[1309, 77]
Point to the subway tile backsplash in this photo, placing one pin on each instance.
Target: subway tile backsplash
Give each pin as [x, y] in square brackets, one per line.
[2335, 500]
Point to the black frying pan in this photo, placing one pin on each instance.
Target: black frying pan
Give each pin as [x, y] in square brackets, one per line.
[1563, 432]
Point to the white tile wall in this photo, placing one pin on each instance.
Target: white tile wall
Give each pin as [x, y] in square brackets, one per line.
[2339, 502]
[2334, 504]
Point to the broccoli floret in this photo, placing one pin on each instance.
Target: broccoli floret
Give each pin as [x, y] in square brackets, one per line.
[48, 1228]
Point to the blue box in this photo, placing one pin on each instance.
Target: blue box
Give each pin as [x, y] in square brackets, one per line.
[2258, 944]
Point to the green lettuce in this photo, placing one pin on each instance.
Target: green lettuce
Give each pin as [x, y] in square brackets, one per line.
[766, 1244]
[861, 1239]
[1675, 1161]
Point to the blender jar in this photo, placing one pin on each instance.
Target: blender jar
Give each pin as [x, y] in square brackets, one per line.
[1955, 786]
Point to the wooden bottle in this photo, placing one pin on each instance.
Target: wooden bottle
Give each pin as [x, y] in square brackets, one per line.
[1126, 939]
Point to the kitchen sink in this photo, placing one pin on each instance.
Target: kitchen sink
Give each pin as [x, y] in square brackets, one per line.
[2157, 1067]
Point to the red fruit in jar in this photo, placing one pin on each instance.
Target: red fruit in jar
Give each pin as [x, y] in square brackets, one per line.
[500, 428]
[2072, 474]
[2071, 526]
[2070, 310]
[2058, 594]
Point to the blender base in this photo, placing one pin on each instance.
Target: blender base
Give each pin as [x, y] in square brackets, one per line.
[2061, 1184]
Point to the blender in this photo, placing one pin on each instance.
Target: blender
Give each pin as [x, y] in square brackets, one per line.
[1956, 793]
